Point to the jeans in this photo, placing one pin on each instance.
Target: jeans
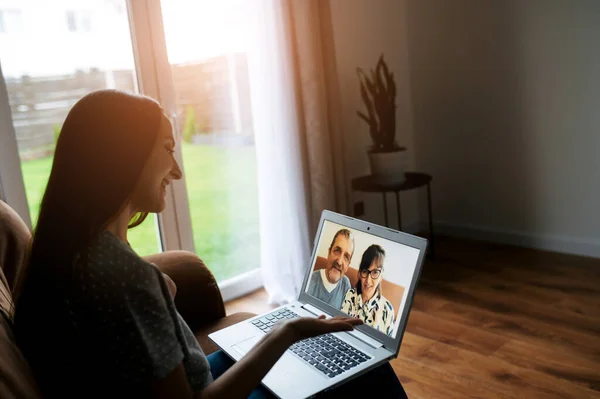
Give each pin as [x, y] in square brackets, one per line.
[381, 381]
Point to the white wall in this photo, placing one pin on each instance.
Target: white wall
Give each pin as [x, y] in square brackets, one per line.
[506, 99]
[362, 30]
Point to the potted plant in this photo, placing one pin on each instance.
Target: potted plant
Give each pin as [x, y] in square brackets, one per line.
[378, 92]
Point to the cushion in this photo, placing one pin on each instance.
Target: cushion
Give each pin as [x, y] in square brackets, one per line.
[198, 298]
[6, 302]
[14, 240]
[16, 379]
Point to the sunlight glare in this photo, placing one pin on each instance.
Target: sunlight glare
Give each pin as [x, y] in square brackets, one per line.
[200, 29]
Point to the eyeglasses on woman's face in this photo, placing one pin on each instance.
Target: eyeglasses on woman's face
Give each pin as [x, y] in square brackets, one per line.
[375, 273]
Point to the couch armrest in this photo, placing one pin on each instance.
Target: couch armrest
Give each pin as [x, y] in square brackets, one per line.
[198, 298]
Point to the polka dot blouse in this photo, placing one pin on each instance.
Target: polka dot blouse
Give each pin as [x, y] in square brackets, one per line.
[122, 307]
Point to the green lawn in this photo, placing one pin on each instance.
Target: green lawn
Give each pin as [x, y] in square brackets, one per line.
[223, 198]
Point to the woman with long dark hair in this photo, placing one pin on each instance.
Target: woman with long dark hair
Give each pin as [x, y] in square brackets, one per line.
[94, 319]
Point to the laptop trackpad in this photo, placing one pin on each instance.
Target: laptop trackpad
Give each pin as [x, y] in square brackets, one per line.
[244, 346]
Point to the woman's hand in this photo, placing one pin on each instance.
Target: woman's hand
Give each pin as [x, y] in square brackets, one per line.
[307, 327]
[171, 285]
[246, 374]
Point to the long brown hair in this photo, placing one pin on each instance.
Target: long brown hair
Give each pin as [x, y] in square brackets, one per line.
[103, 146]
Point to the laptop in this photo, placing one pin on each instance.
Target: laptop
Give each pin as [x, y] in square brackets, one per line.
[381, 294]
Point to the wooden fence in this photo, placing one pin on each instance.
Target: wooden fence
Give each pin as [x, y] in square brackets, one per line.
[40, 104]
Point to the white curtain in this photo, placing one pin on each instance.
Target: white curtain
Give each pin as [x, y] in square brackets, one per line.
[298, 173]
[281, 178]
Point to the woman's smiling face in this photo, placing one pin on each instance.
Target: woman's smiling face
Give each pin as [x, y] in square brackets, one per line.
[368, 283]
[161, 168]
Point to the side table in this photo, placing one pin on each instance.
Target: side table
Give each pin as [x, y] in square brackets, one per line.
[413, 180]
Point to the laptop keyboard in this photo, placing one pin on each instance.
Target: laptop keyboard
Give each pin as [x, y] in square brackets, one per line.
[326, 353]
[266, 322]
[329, 354]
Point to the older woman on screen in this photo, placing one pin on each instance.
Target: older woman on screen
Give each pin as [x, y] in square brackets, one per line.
[366, 301]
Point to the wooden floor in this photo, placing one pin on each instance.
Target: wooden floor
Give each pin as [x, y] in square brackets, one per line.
[493, 321]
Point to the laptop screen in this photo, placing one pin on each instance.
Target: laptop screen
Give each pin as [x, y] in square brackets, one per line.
[363, 275]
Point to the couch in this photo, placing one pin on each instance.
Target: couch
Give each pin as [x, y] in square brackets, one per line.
[198, 300]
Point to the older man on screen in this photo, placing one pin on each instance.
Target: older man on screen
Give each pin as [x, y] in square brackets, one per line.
[331, 284]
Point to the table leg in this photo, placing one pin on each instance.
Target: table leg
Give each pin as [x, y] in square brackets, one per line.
[398, 211]
[431, 233]
[385, 210]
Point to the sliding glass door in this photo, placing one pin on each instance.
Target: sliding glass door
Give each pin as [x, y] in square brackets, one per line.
[189, 55]
[52, 55]
[207, 50]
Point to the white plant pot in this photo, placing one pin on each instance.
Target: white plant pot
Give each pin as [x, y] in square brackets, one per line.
[388, 167]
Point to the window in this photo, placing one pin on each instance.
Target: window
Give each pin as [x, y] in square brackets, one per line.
[71, 24]
[11, 21]
[79, 21]
[44, 85]
[214, 209]
[86, 22]
[212, 97]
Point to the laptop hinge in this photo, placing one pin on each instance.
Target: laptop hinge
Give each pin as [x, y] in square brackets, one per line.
[356, 334]
[366, 339]
[316, 311]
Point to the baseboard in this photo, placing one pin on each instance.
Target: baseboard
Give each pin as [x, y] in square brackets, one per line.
[241, 285]
[570, 245]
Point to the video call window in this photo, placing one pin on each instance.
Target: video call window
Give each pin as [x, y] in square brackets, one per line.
[362, 275]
